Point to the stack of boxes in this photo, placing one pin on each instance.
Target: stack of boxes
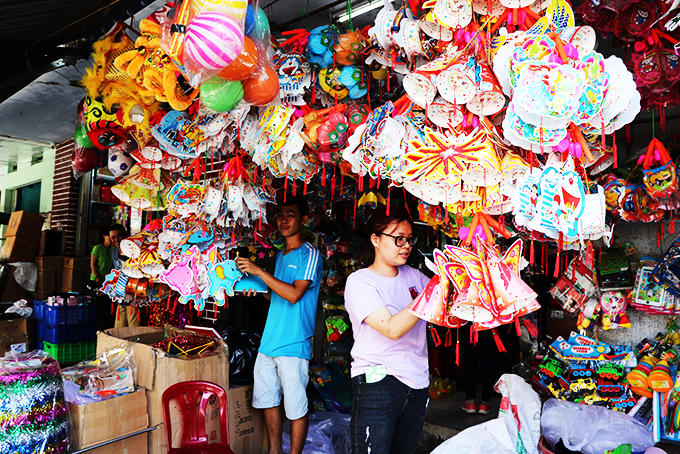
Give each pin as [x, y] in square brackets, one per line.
[66, 327]
[22, 237]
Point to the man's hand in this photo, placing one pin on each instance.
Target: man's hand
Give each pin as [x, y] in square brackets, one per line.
[246, 266]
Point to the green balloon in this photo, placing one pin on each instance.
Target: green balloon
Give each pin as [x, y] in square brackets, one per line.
[82, 138]
[221, 95]
[261, 26]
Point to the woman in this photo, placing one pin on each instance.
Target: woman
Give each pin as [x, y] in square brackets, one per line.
[389, 368]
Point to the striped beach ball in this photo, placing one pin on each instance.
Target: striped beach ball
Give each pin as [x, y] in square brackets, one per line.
[213, 40]
[235, 8]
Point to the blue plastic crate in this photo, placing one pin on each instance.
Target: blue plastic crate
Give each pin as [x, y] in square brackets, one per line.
[62, 315]
[61, 334]
[39, 309]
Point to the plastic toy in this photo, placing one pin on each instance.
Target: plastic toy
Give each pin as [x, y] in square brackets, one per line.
[582, 385]
[610, 371]
[552, 367]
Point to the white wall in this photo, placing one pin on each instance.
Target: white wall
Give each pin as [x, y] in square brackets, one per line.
[29, 174]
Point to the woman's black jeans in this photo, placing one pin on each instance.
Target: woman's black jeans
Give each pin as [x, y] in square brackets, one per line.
[387, 416]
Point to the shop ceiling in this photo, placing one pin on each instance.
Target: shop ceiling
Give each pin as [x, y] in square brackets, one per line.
[45, 47]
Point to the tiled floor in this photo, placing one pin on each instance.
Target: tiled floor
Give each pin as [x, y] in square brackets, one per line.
[446, 412]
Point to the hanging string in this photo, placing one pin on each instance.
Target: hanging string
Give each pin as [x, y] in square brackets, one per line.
[348, 7]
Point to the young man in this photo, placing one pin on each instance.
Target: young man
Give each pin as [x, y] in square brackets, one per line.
[100, 260]
[126, 315]
[282, 363]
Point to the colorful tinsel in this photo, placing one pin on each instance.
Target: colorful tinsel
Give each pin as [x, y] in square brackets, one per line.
[33, 414]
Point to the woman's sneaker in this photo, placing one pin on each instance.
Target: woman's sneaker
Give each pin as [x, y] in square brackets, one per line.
[469, 406]
[485, 408]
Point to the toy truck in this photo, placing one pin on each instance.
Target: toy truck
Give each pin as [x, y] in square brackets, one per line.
[582, 384]
[610, 371]
[579, 370]
[552, 367]
[610, 389]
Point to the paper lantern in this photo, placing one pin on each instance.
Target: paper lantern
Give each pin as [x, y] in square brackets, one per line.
[213, 40]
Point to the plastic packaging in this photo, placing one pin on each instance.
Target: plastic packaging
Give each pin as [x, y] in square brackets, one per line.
[34, 417]
[516, 430]
[243, 345]
[110, 374]
[26, 274]
[20, 308]
[328, 434]
[591, 429]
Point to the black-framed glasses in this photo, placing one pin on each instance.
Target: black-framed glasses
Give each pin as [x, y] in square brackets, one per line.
[400, 241]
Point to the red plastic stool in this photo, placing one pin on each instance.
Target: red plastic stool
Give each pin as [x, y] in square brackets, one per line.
[194, 396]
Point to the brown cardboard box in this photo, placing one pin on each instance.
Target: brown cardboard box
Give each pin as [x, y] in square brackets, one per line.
[13, 336]
[157, 371]
[133, 445]
[19, 249]
[76, 274]
[112, 418]
[50, 274]
[52, 243]
[25, 224]
[246, 424]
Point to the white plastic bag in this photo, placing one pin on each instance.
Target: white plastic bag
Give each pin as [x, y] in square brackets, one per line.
[489, 437]
[591, 429]
[521, 411]
[21, 309]
[516, 430]
[26, 274]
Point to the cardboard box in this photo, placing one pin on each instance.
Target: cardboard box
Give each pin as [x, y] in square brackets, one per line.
[246, 424]
[157, 371]
[247, 433]
[76, 274]
[112, 418]
[25, 224]
[52, 243]
[133, 445]
[560, 323]
[50, 274]
[19, 249]
[13, 336]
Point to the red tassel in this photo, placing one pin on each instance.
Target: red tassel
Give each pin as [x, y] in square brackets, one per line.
[174, 307]
[387, 208]
[354, 219]
[518, 330]
[167, 306]
[557, 266]
[457, 346]
[533, 331]
[305, 191]
[118, 313]
[532, 255]
[499, 343]
[226, 304]
[323, 177]
[659, 235]
[200, 312]
[614, 151]
[447, 339]
[294, 188]
[285, 188]
[435, 336]
[474, 334]
[671, 224]
[406, 203]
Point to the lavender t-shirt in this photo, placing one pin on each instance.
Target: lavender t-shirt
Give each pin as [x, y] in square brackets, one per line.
[406, 358]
